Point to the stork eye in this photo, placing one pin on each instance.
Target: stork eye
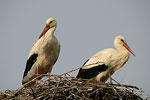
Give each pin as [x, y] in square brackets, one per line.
[122, 40]
[51, 22]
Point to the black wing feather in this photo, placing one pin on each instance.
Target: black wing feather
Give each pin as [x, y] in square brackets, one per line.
[91, 72]
[85, 62]
[29, 63]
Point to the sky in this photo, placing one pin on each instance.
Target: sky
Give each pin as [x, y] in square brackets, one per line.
[84, 27]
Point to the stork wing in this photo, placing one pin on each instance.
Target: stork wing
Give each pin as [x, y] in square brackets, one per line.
[32, 56]
[91, 72]
[95, 65]
[30, 62]
[36, 46]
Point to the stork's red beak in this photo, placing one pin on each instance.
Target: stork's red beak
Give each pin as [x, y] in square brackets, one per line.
[128, 48]
[47, 27]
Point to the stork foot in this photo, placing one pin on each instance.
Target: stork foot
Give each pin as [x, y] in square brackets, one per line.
[49, 76]
[98, 81]
[36, 82]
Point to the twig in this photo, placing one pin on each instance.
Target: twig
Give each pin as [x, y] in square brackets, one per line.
[78, 68]
[32, 92]
[72, 87]
[114, 87]
[127, 86]
[70, 71]
[41, 75]
[121, 85]
[5, 93]
[57, 85]
[115, 81]
[27, 83]
[117, 92]
[76, 95]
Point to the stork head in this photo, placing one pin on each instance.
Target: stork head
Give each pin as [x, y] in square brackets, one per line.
[50, 23]
[120, 43]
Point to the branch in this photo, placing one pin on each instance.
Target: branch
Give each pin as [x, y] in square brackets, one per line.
[28, 83]
[79, 68]
[5, 93]
[120, 85]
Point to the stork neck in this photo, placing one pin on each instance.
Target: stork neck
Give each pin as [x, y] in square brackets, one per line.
[51, 31]
[122, 50]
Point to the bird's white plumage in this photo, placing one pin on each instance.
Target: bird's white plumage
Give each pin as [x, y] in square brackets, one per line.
[47, 47]
[112, 58]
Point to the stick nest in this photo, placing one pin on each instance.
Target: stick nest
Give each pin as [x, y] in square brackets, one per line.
[71, 88]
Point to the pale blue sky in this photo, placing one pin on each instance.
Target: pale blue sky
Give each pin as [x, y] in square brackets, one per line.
[84, 27]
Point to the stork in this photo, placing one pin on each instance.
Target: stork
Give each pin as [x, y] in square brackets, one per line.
[104, 63]
[43, 54]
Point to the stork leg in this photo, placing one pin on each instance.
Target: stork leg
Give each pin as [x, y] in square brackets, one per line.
[49, 73]
[98, 81]
[37, 71]
[110, 78]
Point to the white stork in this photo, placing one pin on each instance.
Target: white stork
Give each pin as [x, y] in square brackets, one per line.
[43, 54]
[104, 63]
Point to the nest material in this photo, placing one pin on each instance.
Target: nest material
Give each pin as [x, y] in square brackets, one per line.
[71, 88]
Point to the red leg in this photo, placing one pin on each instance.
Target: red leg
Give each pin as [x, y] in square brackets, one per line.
[37, 71]
[49, 75]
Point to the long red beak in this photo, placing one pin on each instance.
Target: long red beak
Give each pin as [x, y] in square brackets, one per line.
[128, 48]
[47, 27]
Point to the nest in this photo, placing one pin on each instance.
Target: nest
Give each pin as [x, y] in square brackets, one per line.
[71, 88]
